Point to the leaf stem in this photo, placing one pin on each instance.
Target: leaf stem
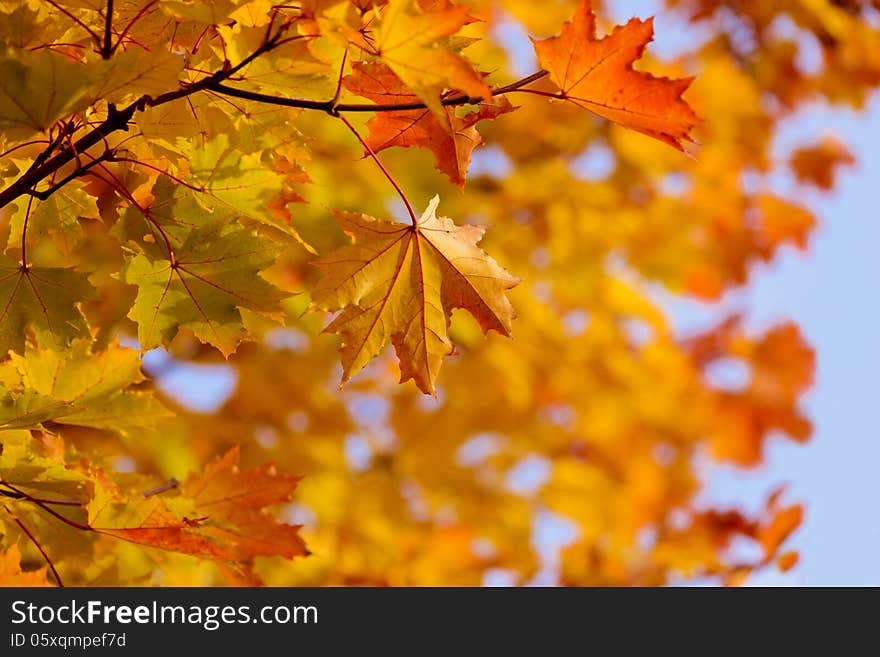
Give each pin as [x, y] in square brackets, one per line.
[372, 153]
[119, 186]
[537, 92]
[23, 145]
[76, 20]
[79, 171]
[18, 496]
[334, 102]
[131, 23]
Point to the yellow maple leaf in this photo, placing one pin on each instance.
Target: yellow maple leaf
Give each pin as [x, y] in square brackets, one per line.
[400, 283]
[409, 41]
[11, 573]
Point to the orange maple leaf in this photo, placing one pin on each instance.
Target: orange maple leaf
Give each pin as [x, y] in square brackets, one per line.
[819, 163]
[784, 523]
[226, 518]
[598, 74]
[452, 141]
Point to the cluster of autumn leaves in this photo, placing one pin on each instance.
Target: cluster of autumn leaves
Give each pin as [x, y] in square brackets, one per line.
[179, 177]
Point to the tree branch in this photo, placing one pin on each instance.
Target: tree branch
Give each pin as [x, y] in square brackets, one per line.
[118, 120]
[329, 106]
[107, 48]
[44, 194]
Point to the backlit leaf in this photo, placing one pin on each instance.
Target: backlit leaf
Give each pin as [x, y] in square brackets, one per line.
[452, 141]
[215, 274]
[41, 299]
[598, 74]
[399, 283]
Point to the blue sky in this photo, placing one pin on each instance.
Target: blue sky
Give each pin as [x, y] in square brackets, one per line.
[831, 292]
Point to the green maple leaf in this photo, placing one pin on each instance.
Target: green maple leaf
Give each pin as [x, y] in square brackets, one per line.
[37, 89]
[236, 181]
[55, 219]
[43, 299]
[214, 274]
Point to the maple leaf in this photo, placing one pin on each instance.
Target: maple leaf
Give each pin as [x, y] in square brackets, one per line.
[819, 163]
[37, 89]
[24, 464]
[598, 74]
[133, 73]
[19, 27]
[400, 283]
[43, 299]
[11, 573]
[234, 180]
[594, 386]
[781, 368]
[781, 221]
[214, 274]
[56, 218]
[77, 387]
[451, 140]
[219, 513]
[233, 501]
[409, 40]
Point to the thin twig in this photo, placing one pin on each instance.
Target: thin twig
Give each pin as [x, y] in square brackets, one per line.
[50, 511]
[118, 119]
[44, 194]
[334, 102]
[327, 105]
[36, 543]
[24, 227]
[168, 485]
